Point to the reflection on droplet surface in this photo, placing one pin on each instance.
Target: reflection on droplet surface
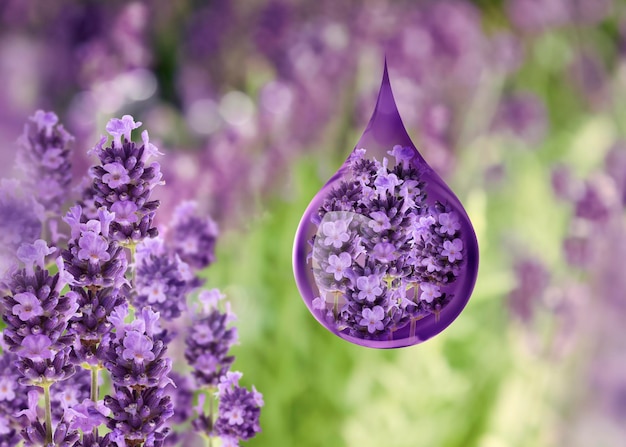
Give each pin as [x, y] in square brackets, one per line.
[385, 255]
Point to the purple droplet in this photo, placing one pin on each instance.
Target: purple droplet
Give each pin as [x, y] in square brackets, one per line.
[385, 255]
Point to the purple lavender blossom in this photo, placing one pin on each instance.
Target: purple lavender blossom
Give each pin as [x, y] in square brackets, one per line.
[523, 116]
[208, 343]
[92, 259]
[91, 322]
[124, 180]
[162, 281]
[44, 157]
[192, 236]
[239, 410]
[136, 354]
[138, 416]
[532, 281]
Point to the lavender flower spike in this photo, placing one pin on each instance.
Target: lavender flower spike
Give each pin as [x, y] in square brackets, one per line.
[239, 410]
[123, 183]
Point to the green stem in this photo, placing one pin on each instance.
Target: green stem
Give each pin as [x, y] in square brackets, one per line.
[133, 251]
[94, 393]
[48, 411]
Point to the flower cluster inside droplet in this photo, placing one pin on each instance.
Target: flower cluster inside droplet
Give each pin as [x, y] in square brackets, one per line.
[383, 257]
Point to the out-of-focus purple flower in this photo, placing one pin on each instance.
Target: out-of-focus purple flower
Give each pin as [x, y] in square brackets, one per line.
[564, 185]
[532, 281]
[192, 236]
[615, 167]
[239, 411]
[589, 12]
[13, 400]
[598, 200]
[537, 15]
[589, 76]
[44, 157]
[20, 218]
[522, 115]
[124, 181]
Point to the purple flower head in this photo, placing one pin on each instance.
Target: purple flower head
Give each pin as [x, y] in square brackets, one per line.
[523, 116]
[119, 128]
[28, 306]
[384, 252]
[123, 183]
[208, 343]
[116, 175]
[34, 254]
[373, 319]
[91, 258]
[449, 223]
[93, 248]
[162, 284]
[193, 237]
[336, 233]
[36, 298]
[87, 415]
[137, 347]
[138, 416]
[380, 221]
[338, 265]
[429, 292]
[453, 250]
[402, 154]
[239, 410]
[209, 300]
[44, 157]
[136, 355]
[532, 280]
[369, 288]
[91, 323]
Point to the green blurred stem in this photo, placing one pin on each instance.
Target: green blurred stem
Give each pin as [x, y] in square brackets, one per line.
[48, 411]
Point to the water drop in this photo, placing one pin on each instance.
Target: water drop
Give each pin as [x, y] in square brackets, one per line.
[385, 255]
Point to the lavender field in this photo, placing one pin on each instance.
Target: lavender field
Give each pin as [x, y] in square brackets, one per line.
[157, 157]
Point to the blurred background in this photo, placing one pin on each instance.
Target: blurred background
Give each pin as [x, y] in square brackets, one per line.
[517, 104]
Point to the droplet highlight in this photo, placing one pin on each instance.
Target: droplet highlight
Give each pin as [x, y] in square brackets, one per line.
[385, 255]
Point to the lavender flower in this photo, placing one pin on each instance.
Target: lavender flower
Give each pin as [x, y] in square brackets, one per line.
[91, 322]
[162, 281]
[209, 341]
[92, 258]
[136, 353]
[193, 237]
[138, 415]
[37, 316]
[239, 410]
[44, 157]
[124, 180]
